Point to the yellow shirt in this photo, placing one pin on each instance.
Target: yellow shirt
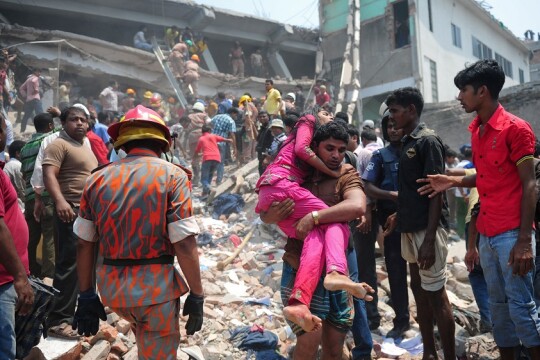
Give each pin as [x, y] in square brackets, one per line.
[273, 99]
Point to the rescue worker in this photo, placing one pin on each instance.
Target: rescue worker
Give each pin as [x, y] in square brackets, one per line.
[176, 59]
[191, 74]
[150, 202]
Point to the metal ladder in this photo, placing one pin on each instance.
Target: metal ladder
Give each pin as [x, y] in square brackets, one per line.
[159, 51]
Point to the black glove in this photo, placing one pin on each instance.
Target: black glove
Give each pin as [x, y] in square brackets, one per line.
[194, 308]
[89, 311]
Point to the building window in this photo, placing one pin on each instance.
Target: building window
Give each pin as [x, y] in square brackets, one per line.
[456, 36]
[401, 24]
[430, 15]
[505, 64]
[521, 76]
[433, 74]
[481, 50]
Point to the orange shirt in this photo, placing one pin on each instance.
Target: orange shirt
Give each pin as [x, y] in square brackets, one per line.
[137, 208]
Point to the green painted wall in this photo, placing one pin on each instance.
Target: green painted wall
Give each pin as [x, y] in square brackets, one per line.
[370, 9]
[335, 14]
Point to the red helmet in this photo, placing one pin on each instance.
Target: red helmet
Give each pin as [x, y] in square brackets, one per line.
[140, 123]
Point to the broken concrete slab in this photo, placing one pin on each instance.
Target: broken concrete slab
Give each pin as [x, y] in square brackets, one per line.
[99, 351]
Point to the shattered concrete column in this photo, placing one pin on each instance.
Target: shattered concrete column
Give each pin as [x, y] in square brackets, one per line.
[274, 57]
[278, 64]
[209, 60]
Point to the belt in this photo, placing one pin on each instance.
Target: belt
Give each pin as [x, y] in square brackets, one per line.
[165, 259]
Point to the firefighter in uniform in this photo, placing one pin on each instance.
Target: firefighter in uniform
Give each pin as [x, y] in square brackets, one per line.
[137, 211]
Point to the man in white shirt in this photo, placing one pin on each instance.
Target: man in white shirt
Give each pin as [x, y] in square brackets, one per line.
[109, 99]
[139, 40]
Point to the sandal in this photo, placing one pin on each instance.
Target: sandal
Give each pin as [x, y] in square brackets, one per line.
[63, 331]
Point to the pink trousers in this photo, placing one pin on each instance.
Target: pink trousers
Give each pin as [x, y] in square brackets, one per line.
[324, 245]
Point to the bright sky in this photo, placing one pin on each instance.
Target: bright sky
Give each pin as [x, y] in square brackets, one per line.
[518, 15]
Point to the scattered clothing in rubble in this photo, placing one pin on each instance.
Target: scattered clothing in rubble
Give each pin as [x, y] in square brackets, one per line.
[255, 340]
[227, 204]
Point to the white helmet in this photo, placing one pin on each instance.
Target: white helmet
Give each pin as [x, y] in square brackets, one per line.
[198, 106]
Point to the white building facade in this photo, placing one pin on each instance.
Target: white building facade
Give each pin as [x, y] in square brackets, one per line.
[425, 43]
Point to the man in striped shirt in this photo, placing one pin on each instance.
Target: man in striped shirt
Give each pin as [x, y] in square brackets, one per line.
[40, 219]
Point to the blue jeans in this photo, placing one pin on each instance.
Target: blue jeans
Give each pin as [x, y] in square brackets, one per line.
[144, 46]
[8, 300]
[364, 245]
[479, 286]
[511, 297]
[31, 108]
[207, 173]
[221, 167]
[363, 342]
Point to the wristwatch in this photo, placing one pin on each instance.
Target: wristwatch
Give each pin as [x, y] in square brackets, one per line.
[315, 216]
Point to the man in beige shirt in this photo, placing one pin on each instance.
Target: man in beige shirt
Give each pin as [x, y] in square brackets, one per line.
[66, 166]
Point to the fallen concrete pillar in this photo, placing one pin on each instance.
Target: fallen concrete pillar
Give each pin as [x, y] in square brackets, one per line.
[230, 183]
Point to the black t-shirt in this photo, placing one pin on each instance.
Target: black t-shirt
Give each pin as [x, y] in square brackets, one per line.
[422, 154]
[264, 140]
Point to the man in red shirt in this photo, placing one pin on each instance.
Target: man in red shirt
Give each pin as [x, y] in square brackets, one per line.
[211, 157]
[98, 146]
[323, 98]
[16, 294]
[503, 148]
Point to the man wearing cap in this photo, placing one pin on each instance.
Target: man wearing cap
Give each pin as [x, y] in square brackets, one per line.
[278, 131]
[67, 163]
[289, 100]
[381, 182]
[370, 125]
[150, 202]
[249, 137]
[192, 133]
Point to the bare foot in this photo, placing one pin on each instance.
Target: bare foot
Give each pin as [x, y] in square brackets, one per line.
[335, 281]
[301, 316]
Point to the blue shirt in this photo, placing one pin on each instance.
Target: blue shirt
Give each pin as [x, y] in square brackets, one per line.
[223, 125]
[223, 107]
[101, 131]
[382, 171]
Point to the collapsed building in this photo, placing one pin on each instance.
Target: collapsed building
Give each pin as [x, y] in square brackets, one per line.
[93, 41]
[401, 43]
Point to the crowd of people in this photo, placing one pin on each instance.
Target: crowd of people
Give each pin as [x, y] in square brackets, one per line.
[116, 178]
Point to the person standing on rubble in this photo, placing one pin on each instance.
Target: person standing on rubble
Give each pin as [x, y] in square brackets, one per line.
[324, 244]
[273, 102]
[346, 200]
[381, 181]
[191, 74]
[423, 221]
[67, 163]
[150, 202]
[31, 90]
[503, 154]
[16, 294]
[237, 60]
[249, 136]
[264, 139]
[192, 133]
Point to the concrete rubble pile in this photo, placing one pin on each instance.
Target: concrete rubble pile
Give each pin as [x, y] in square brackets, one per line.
[245, 292]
